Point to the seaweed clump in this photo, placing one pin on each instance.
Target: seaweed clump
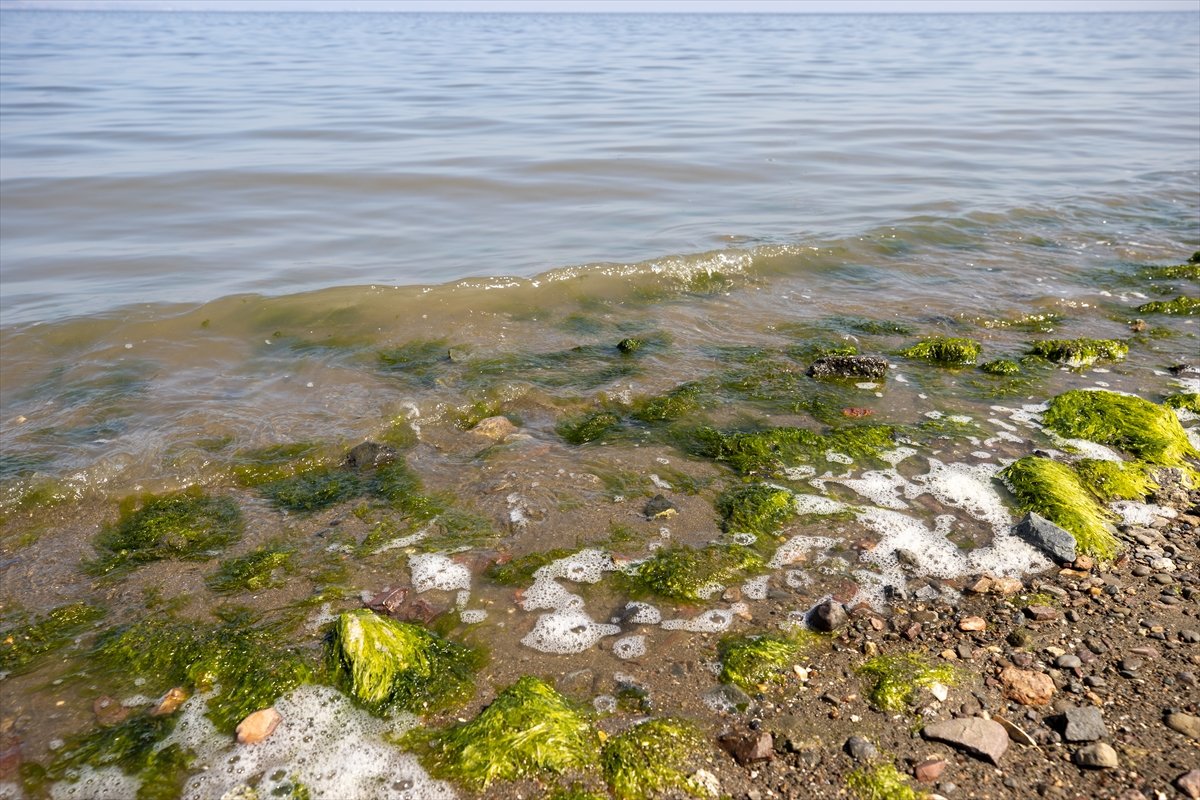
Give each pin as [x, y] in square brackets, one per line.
[1183, 401]
[588, 428]
[187, 525]
[22, 645]
[758, 508]
[252, 572]
[947, 351]
[676, 403]
[684, 573]
[529, 730]
[1077, 353]
[648, 759]
[895, 679]
[883, 782]
[1180, 305]
[748, 662]
[133, 747]
[766, 452]
[385, 664]
[1150, 432]
[1056, 492]
[1001, 366]
[1116, 480]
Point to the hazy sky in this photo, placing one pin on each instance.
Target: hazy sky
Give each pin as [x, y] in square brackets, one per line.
[732, 6]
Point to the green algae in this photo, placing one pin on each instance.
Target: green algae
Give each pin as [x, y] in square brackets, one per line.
[386, 665]
[820, 348]
[1056, 492]
[1079, 352]
[576, 792]
[588, 428]
[131, 746]
[185, 525]
[1001, 366]
[748, 662]
[630, 345]
[520, 570]
[273, 463]
[761, 509]
[766, 452]
[947, 351]
[242, 668]
[882, 782]
[1043, 322]
[649, 759]
[252, 572]
[1150, 432]
[21, 646]
[419, 361]
[1190, 270]
[528, 731]
[870, 327]
[1115, 480]
[894, 680]
[1182, 305]
[678, 402]
[1183, 401]
[314, 489]
[685, 573]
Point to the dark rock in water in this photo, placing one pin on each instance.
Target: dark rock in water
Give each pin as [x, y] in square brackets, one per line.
[1184, 369]
[849, 367]
[1084, 724]
[659, 507]
[747, 748]
[369, 455]
[628, 346]
[980, 737]
[861, 749]
[1048, 537]
[828, 616]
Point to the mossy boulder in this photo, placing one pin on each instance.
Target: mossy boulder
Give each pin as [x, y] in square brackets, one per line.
[1116, 480]
[185, 525]
[1056, 492]
[677, 403]
[946, 351]
[650, 758]
[881, 782]
[1077, 353]
[1150, 432]
[1184, 401]
[1001, 366]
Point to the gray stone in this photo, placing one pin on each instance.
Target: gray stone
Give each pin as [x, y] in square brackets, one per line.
[860, 749]
[983, 738]
[1084, 724]
[1189, 636]
[1048, 537]
[369, 455]
[827, 616]
[1186, 724]
[1069, 662]
[659, 507]
[849, 367]
[1096, 756]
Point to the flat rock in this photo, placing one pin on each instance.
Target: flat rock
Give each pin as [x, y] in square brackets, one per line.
[983, 738]
[972, 624]
[258, 726]
[849, 367]
[1027, 687]
[1186, 724]
[1097, 755]
[1084, 724]
[1047, 537]
[828, 616]
[495, 428]
[1189, 784]
[929, 770]
[748, 748]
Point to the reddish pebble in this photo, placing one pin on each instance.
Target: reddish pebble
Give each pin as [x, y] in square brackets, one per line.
[170, 703]
[258, 726]
[929, 770]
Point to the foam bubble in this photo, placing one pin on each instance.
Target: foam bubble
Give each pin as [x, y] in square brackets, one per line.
[794, 549]
[473, 616]
[897, 455]
[643, 613]
[1140, 513]
[881, 487]
[586, 566]
[756, 588]
[745, 539]
[93, 783]
[437, 571]
[630, 647]
[567, 631]
[548, 593]
[604, 703]
[799, 473]
[815, 504]
[838, 458]
[402, 541]
[966, 486]
[712, 621]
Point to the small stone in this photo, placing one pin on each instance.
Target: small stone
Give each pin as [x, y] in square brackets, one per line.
[495, 428]
[109, 711]
[1189, 783]
[860, 749]
[258, 726]
[1041, 613]
[748, 748]
[828, 616]
[981, 586]
[972, 624]
[1026, 687]
[929, 770]
[1084, 724]
[964, 651]
[707, 782]
[1097, 755]
[1046, 536]
[1189, 636]
[1084, 563]
[849, 367]
[1068, 662]
[659, 507]
[1186, 724]
[369, 455]
[1006, 586]
[980, 737]
[170, 702]
[912, 632]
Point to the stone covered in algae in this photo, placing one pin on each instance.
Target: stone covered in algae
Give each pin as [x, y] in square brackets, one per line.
[895, 679]
[588, 428]
[1079, 352]
[882, 782]
[1150, 432]
[678, 402]
[767, 451]
[685, 573]
[252, 572]
[1056, 492]
[22, 645]
[1183, 401]
[649, 759]
[750, 661]
[1001, 366]
[528, 731]
[385, 664]
[1180, 305]
[187, 525]
[947, 351]
[758, 508]
[1116, 480]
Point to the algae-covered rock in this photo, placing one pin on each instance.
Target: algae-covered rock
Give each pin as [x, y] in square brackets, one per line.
[588, 428]
[766, 452]
[187, 525]
[750, 661]
[684, 573]
[947, 351]
[528, 731]
[314, 489]
[1001, 366]
[1116, 480]
[1077, 353]
[849, 366]
[22, 645]
[630, 345]
[895, 679]
[649, 759]
[1055, 491]
[1184, 401]
[760, 508]
[386, 664]
[1183, 305]
[678, 402]
[881, 782]
[1150, 432]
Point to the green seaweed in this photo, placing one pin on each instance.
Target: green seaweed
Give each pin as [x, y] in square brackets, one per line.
[678, 402]
[252, 572]
[314, 489]
[767, 451]
[1183, 401]
[1056, 492]
[1183, 305]
[130, 746]
[760, 508]
[1044, 322]
[894, 680]
[1190, 270]
[21, 646]
[630, 345]
[1115, 480]
[1001, 366]
[870, 327]
[588, 428]
[649, 759]
[419, 361]
[165, 774]
[386, 665]
[1150, 432]
[276, 462]
[748, 662]
[528, 731]
[1079, 352]
[881, 782]
[186, 525]
[947, 351]
[576, 792]
[685, 573]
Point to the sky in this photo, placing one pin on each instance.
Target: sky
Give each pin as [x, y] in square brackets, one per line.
[584, 6]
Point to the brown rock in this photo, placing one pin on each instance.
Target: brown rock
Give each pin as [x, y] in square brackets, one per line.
[1189, 784]
[929, 770]
[913, 631]
[1186, 724]
[170, 703]
[1041, 613]
[972, 624]
[1006, 586]
[981, 586]
[747, 748]
[1084, 563]
[494, 428]
[1026, 687]
[980, 737]
[258, 726]
[108, 711]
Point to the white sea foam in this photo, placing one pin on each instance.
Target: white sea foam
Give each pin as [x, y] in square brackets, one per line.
[643, 613]
[568, 630]
[630, 647]
[437, 571]
[1140, 513]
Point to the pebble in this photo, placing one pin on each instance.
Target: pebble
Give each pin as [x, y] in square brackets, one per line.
[972, 624]
[1084, 724]
[980, 737]
[1041, 613]
[861, 749]
[1026, 687]
[929, 770]
[1047, 537]
[1097, 756]
[1189, 636]
[1186, 724]
[1189, 783]
[258, 726]
[1068, 662]
[170, 702]
[748, 748]
[828, 616]
[1141, 571]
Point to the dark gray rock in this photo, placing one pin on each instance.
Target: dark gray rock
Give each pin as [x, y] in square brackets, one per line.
[1097, 756]
[828, 616]
[659, 507]
[983, 738]
[1084, 724]
[849, 367]
[1184, 369]
[1047, 537]
[861, 749]
[369, 455]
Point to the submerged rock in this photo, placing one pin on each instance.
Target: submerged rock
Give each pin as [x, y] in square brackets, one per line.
[1046, 536]
[368, 455]
[980, 737]
[494, 427]
[849, 367]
